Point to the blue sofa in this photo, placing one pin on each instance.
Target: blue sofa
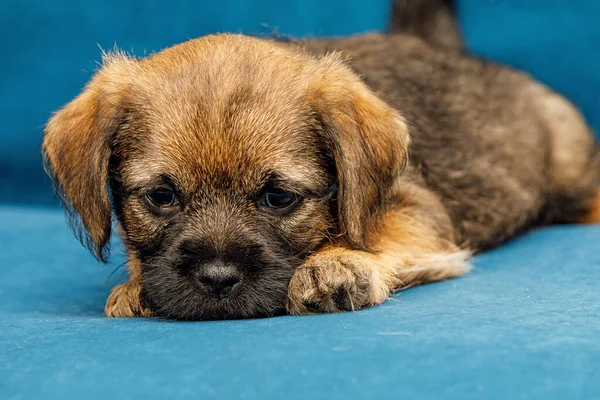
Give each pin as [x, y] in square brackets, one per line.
[525, 324]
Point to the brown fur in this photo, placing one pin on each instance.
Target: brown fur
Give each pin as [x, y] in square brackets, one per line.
[401, 175]
[432, 20]
[76, 149]
[412, 246]
[593, 213]
[125, 300]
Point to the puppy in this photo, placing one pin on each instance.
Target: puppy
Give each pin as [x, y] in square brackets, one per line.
[251, 177]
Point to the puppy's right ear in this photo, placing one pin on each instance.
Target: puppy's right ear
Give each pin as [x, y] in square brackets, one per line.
[76, 150]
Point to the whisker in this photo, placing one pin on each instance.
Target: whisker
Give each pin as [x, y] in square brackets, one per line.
[120, 266]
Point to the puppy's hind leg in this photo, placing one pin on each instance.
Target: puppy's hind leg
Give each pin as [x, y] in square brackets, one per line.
[592, 215]
[574, 162]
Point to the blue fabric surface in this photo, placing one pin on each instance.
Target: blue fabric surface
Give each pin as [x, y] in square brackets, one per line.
[523, 325]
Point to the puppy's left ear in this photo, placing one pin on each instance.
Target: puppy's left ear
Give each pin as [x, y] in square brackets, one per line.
[367, 139]
[76, 149]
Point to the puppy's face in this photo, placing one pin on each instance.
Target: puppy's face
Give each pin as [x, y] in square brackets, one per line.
[227, 160]
[221, 192]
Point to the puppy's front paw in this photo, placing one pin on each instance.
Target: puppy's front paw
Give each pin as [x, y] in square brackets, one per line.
[335, 281]
[125, 302]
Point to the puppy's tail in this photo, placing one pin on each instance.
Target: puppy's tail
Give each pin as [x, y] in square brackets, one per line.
[433, 20]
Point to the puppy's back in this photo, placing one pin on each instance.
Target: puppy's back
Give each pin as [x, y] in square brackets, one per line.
[483, 136]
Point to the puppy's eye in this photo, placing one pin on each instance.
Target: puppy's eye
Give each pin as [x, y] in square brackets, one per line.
[280, 200]
[162, 198]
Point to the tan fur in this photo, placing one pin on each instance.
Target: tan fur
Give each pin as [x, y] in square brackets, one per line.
[593, 214]
[125, 300]
[372, 141]
[570, 138]
[410, 249]
[219, 116]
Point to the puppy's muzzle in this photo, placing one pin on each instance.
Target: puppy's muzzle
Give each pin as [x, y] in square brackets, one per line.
[218, 278]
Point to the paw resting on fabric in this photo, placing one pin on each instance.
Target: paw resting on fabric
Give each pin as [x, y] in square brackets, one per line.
[335, 281]
[125, 302]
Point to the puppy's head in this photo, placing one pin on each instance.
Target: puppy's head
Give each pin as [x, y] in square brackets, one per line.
[227, 160]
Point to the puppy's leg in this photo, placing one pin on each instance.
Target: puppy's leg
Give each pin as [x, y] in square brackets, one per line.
[575, 159]
[410, 250]
[592, 215]
[125, 300]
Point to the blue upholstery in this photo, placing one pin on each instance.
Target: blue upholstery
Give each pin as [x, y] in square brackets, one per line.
[523, 325]
[50, 48]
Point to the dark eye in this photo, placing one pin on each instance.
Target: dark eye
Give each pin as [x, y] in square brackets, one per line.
[280, 199]
[162, 198]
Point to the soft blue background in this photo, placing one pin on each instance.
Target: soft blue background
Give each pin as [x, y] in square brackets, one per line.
[49, 49]
[523, 325]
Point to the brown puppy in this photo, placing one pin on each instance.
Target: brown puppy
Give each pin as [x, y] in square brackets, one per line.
[250, 177]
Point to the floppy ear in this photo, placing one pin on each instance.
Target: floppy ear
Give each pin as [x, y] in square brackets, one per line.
[76, 150]
[368, 140]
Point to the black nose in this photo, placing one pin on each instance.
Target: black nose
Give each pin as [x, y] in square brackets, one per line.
[218, 278]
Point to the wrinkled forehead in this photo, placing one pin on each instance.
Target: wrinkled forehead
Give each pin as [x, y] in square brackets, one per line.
[217, 123]
[244, 150]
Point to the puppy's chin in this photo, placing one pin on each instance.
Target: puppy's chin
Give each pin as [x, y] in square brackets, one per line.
[170, 293]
